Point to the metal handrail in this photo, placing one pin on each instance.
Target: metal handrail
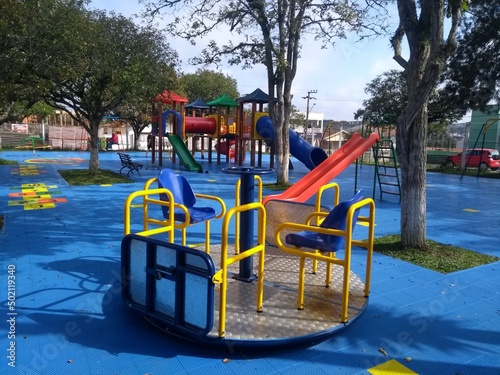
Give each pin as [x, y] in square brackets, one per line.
[221, 276]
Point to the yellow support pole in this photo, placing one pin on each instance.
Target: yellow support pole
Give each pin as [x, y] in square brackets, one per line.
[221, 276]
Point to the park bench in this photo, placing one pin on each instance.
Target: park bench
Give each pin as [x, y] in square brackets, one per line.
[127, 162]
[437, 159]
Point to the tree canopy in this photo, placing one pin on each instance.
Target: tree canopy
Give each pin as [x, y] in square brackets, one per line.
[268, 33]
[122, 63]
[208, 85]
[86, 63]
[389, 95]
[472, 78]
[18, 54]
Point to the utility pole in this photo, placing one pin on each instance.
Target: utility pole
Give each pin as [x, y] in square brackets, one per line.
[308, 97]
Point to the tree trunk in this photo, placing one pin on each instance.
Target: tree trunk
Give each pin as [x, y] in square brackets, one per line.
[94, 149]
[282, 142]
[277, 114]
[428, 53]
[411, 152]
[136, 138]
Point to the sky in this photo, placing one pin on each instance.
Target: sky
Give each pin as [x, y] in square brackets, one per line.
[339, 75]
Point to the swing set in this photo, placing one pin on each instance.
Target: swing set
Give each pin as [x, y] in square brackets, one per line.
[482, 135]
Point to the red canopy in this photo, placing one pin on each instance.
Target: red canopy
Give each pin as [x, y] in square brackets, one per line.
[170, 97]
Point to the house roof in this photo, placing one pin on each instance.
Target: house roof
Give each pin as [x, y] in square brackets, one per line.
[335, 136]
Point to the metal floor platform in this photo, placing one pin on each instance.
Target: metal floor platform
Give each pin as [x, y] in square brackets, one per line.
[281, 322]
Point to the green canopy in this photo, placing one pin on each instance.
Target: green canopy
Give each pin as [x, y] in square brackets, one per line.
[223, 101]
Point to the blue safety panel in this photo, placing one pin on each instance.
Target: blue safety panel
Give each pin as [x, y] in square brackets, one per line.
[169, 283]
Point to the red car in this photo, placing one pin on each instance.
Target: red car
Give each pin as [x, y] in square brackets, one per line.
[484, 159]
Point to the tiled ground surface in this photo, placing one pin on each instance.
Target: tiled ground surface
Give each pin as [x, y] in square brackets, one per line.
[70, 317]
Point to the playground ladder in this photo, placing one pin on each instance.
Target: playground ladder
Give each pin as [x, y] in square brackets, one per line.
[386, 168]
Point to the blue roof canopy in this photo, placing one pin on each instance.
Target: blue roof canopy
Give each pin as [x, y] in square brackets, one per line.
[197, 104]
[257, 96]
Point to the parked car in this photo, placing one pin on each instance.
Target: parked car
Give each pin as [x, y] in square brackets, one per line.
[484, 159]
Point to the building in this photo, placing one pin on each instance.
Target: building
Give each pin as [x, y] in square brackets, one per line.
[333, 140]
[485, 128]
[313, 132]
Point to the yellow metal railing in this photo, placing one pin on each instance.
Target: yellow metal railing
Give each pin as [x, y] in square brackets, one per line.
[331, 258]
[165, 226]
[237, 201]
[186, 223]
[221, 276]
[319, 199]
[322, 189]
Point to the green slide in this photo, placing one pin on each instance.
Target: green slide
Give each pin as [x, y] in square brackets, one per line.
[184, 154]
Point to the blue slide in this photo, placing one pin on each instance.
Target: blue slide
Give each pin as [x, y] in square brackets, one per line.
[309, 155]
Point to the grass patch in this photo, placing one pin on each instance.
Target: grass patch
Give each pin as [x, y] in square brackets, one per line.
[277, 187]
[437, 257]
[7, 162]
[80, 177]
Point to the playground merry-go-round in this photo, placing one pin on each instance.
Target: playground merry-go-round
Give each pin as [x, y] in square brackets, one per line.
[281, 273]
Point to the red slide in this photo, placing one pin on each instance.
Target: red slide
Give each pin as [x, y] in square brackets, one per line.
[308, 185]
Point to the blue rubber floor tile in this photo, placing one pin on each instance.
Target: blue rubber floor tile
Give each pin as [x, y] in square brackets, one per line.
[427, 364]
[379, 303]
[302, 368]
[487, 309]
[365, 335]
[442, 289]
[104, 362]
[437, 305]
[249, 365]
[487, 364]
[472, 316]
[488, 272]
[205, 359]
[68, 263]
[404, 297]
[447, 287]
[437, 363]
[144, 364]
[26, 354]
[281, 360]
[493, 325]
[386, 286]
[467, 279]
[461, 333]
[360, 357]
[412, 280]
[57, 356]
[340, 364]
[335, 344]
[398, 323]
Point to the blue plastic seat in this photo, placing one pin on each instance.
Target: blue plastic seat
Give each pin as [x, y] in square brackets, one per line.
[336, 219]
[321, 242]
[185, 211]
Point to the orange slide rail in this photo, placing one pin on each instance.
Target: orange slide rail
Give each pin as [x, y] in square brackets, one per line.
[337, 162]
